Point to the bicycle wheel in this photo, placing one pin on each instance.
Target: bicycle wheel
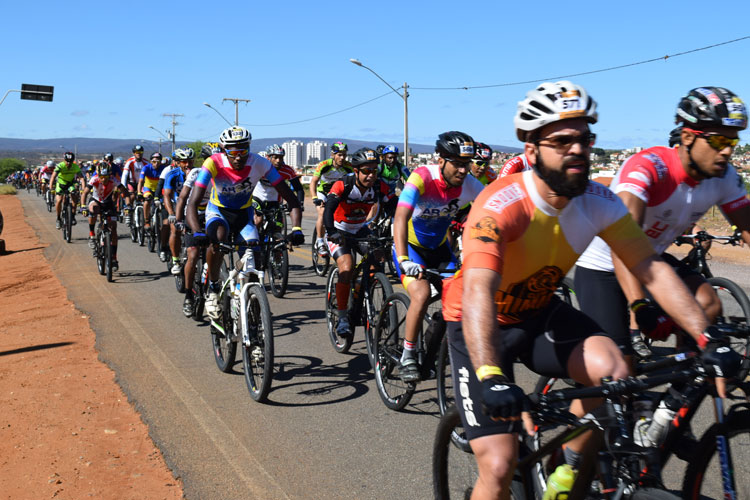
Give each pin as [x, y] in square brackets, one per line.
[139, 225]
[703, 476]
[99, 252]
[388, 342]
[151, 235]
[735, 307]
[320, 262]
[199, 287]
[49, 200]
[380, 290]
[340, 344]
[257, 356]
[224, 348]
[108, 254]
[445, 390]
[278, 268]
[68, 222]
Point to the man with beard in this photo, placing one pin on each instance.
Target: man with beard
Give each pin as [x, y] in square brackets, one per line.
[523, 234]
[666, 191]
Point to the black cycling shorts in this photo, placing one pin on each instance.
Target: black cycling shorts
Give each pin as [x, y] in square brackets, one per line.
[349, 243]
[543, 343]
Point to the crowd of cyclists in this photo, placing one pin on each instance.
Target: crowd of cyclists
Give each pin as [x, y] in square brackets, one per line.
[523, 229]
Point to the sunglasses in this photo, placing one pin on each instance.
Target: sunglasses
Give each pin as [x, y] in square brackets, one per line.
[716, 141]
[480, 163]
[234, 153]
[565, 142]
[368, 171]
[465, 164]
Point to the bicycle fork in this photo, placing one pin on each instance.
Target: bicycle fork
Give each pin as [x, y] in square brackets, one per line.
[722, 448]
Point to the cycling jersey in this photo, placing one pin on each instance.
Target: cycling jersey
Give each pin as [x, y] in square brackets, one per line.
[434, 204]
[329, 174]
[66, 174]
[234, 188]
[264, 191]
[488, 176]
[190, 182]
[150, 175]
[102, 191]
[351, 204]
[132, 170]
[174, 180]
[674, 200]
[46, 172]
[392, 174]
[511, 222]
[516, 164]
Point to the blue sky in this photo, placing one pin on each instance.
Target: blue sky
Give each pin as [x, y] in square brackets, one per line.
[117, 67]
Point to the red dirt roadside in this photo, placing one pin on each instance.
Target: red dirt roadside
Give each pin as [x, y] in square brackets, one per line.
[67, 430]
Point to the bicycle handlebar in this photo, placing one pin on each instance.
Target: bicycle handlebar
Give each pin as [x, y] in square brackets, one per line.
[700, 236]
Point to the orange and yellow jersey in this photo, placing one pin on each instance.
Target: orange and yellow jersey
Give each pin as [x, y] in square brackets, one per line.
[512, 230]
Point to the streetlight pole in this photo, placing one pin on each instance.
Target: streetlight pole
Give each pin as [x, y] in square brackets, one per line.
[174, 124]
[404, 96]
[162, 135]
[236, 102]
[217, 112]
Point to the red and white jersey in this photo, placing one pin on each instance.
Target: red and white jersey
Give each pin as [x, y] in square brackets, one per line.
[47, 171]
[351, 214]
[264, 191]
[100, 191]
[131, 172]
[674, 200]
[516, 164]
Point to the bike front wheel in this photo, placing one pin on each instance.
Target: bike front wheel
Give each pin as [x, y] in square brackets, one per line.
[108, 255]
[278, 268]
[224, 348]
[99, 252]
[257, 353]
[388, 340]
[340, 344]
[320, 262]
[380, 290]
[68, 222]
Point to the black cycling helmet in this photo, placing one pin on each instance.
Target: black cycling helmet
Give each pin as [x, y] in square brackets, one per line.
[482, 152]
[137, 148]
[109, 157]
[69, 156]
[339, 147]
[380, 149]
[712, 107]
[156, 156]
[364, 156]
[455, 145]
[675, 136]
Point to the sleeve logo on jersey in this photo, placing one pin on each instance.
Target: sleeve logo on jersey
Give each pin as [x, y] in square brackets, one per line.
[486, 230]
[661, 168]
[638, 176]
[504, 197]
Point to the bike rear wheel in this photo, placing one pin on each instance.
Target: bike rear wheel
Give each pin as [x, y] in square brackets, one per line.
[445, 390]
[108, 254]
[140, 229]
[224, 347]
[257, 357]
[340, 344]
[380, 290]
[388, 341]
[320, 262]
[199, 287]
[278, 267]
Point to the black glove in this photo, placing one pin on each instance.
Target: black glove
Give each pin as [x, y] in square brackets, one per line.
[317, 202]
[652, 321]
[335, 237]
[719, 359]
[297, 238]
[501, 398]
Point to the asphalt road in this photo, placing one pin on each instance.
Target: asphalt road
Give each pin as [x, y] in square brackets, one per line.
[324, 432]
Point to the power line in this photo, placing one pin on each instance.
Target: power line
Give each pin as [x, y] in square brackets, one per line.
[611, 68]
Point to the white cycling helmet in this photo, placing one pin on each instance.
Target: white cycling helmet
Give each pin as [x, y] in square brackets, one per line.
[275, 149]
[235, 136]
[50, 163]
[552, 102]
[183, 154]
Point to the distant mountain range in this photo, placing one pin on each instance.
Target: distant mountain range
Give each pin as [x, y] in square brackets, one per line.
[122, 147]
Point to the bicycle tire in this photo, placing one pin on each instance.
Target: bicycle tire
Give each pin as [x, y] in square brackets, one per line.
[50, 201]
[388, 342]
[151, 233]
[257, 358]
[199, 287]
[99, 252]
[224, 349]
[179, 279]
[108, 254]
[320, 262]
[737, 424]
[735, 310]
[138, 216]
[68, 221]
[380, 290]
[340, 344]
[445, 391]
[278, 268]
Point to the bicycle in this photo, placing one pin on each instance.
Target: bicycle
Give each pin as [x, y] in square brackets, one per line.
[103, 244]
[245, 320]
[321, 263]
[275, 249]
[67, 213]
[386, 346]
[367, 293]
[137, 221]
[153, 233]
[383, 226]
[49, 199]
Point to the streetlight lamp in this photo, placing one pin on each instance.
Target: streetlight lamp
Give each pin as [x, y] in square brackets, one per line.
[404, 96]
[217, 112]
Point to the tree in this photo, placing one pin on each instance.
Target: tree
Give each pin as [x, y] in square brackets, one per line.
[10, 165]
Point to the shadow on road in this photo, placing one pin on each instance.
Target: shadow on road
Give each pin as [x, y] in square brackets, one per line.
[139, 276]
[8, 252]
[290, 323]
[34, 348]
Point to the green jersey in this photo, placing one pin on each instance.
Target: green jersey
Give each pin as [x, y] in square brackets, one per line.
[66, 174]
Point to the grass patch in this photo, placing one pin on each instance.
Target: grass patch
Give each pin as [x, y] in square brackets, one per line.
[7, 189]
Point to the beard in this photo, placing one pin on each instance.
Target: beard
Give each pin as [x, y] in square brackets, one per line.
[559, 181]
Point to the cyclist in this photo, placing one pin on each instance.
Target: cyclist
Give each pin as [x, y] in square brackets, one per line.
[350, 203]
[66, 175]
[430, 200]
[46, 174]
[667, 190]
[131, 175]
[167, 165]
[173, 182]
[265, 196]
[232, 176]
[480, 167]
[326, 173]
[516, 164]
[147, 182]
[390, 170]
[538, 222]
[102, 187]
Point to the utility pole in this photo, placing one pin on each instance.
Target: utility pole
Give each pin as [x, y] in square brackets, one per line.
[236, 102]
[174, 124]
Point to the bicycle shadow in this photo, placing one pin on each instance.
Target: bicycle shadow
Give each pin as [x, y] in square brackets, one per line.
[139, 276]
[291, 323]
[9, 252]
[35, 348]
